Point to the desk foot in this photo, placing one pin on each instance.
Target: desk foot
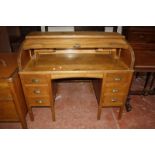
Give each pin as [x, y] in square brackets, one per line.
[146, 93]
[53, 112]
[120, 112]
[99, 113]
[53, 116]
[31, 114]
[152, 92]
[24, 124]
[128, 105]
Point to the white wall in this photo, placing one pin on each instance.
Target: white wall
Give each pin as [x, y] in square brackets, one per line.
[71, 29]
[58, 28]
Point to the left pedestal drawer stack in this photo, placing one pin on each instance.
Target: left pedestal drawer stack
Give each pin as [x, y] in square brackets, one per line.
[12, 103]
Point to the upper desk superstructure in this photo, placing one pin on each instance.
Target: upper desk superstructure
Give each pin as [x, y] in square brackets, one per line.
[106, 57]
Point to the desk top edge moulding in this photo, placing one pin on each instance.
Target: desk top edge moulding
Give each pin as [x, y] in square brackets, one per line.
[105, 57]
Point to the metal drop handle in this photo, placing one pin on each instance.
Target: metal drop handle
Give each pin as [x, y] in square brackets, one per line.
[35, 80]
[114, 100]
[76, 46]
[37, 91]
[115, 90]
[118, 79]
[39, 101]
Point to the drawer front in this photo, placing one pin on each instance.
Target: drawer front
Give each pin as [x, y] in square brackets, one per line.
[113, 100]
[34, 78]
[117, 77]
[114, 88]
[7, 111]
[39, 101]
[142, 37]
[76, 43]
[35, 91]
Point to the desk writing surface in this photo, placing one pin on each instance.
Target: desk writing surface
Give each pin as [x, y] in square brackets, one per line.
[75, 62]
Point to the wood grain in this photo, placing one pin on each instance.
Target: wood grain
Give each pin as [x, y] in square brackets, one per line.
[12, 102]
[105, 57]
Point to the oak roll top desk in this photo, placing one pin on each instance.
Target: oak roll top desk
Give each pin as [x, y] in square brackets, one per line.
[106, 58]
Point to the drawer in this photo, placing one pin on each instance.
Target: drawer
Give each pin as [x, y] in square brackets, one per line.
[113, 100]
[7, 111]
[114, 88]
[39, 101]
[34, 78]
[35, 91]
[76, 43]
[117, 77]
[138, 37]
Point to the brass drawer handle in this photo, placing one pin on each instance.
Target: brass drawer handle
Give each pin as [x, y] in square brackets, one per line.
[37, 91]
[76, 46]
[115, 90]
[114, 100]
[9, 97]
[6, 98]
[117, 79]
[35, 80]
[39, 101]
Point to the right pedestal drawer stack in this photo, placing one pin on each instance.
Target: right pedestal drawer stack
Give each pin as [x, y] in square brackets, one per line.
[115, 88]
